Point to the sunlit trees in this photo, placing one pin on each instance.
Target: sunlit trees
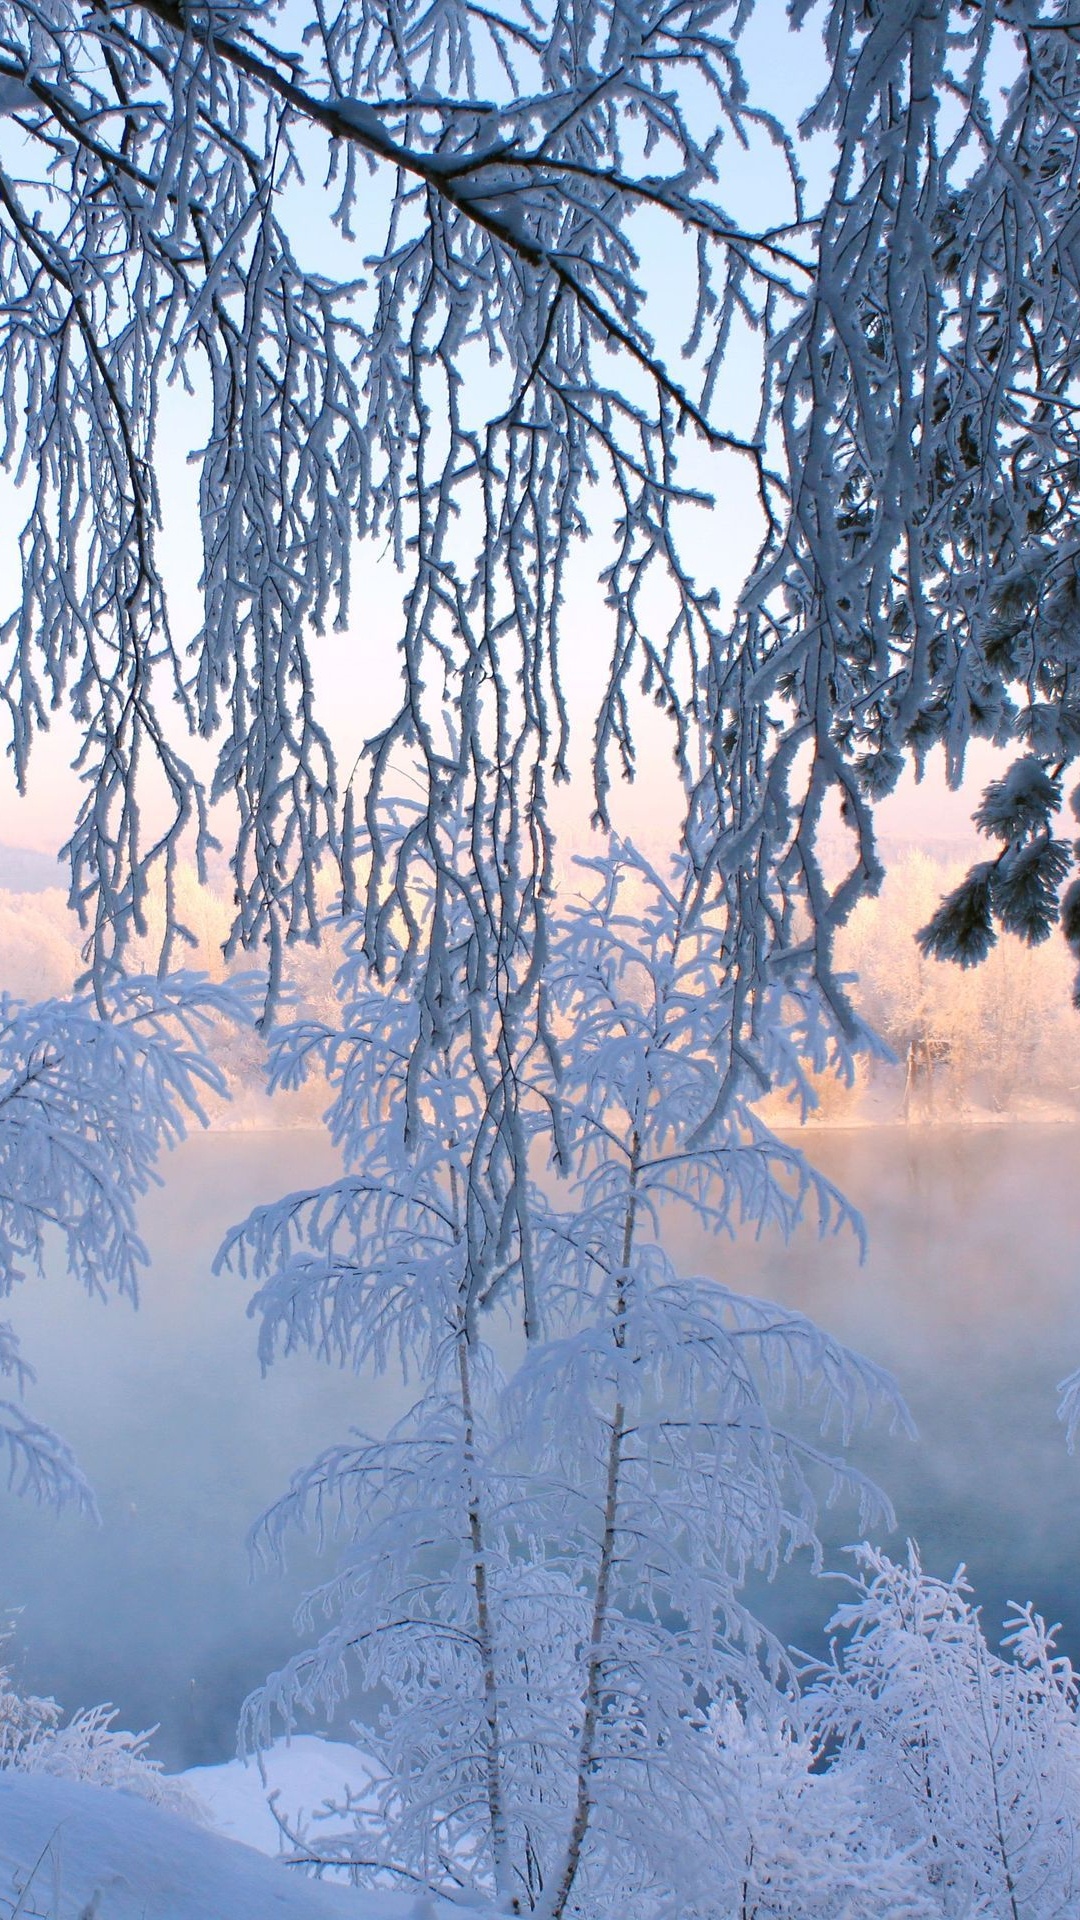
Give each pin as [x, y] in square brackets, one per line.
[987, 1037]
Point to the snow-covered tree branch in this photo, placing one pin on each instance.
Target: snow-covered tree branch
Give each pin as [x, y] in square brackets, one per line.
[400, 260]
[87, 1104]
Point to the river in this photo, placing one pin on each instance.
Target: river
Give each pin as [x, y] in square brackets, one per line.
[970, 1293]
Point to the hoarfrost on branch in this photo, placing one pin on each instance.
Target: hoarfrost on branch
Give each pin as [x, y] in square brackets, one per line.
[462, 365]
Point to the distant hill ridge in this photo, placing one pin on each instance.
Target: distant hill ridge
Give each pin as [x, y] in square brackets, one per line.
[22, 870]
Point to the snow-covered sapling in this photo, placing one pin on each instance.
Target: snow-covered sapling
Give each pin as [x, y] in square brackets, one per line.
[543, 1560]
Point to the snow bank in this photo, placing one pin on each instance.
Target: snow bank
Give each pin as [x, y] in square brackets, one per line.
[80, 1852]
[305, 1774]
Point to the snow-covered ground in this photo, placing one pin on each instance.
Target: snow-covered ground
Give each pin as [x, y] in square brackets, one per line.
[303, 1773]
[71, 1851]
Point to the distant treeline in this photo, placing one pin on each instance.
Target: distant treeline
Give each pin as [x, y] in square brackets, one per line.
[998, 1040]
[1001, 1039]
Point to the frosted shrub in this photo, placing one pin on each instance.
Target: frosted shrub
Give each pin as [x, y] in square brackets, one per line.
[808, 1842]
[972, 1758]
[35, 1738]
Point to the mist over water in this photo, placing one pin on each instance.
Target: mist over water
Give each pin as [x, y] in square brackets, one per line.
[185, 1443]
[970, 1294]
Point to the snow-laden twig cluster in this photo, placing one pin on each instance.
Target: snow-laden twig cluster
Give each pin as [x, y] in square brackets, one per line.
[972, 1758]
[88, 1101]
[36, 1738]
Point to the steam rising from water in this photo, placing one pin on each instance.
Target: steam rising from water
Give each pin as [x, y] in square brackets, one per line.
[971, 1294]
